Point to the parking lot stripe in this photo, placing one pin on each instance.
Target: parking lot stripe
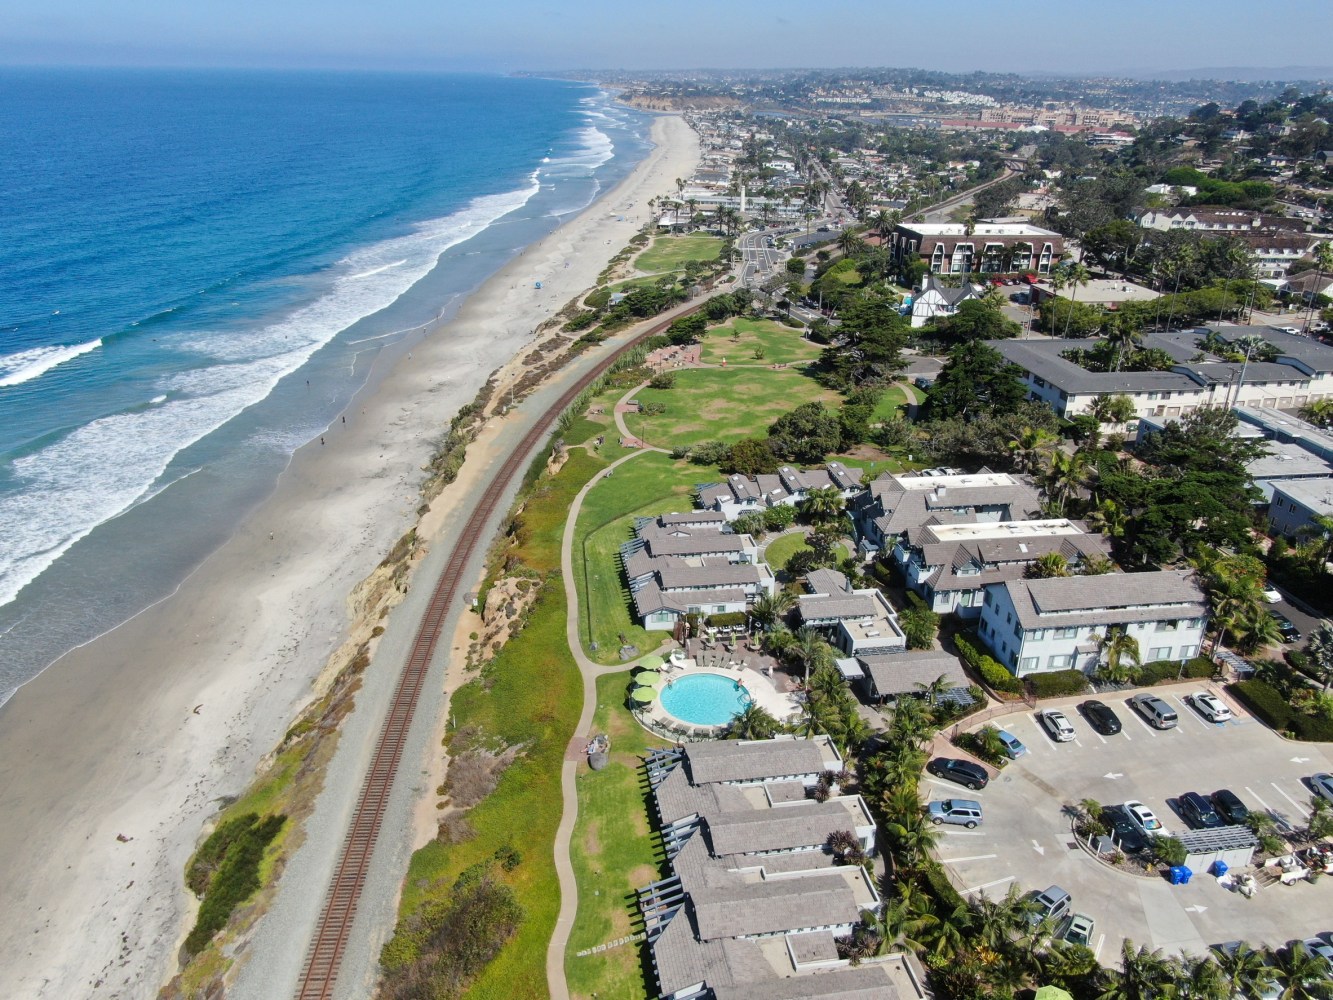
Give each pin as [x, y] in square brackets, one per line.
[1101, 940]
[1300, 808]
[1100, 737]
[974, 857]
[962, 833]
[1269, 809]
[1187, 712]
[1146, 728]
[988, 885]
[953, 786]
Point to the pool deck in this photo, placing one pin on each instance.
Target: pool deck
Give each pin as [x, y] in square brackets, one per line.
[762, 688]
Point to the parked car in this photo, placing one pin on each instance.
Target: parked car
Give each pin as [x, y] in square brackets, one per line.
[1210, 707]
[964, 772]
[1145, 819]
[1289, 632]
[1013, 746]
[1267, 990]
[1199, 812]
[1271, 594]
[1229, 806]
[959, 812]
[1052, 903]
[1320, 948]
[1125, 832]
[1100, 717]
[1077, 929]
[1323, 785]
[1057, 724]
[1159, 714]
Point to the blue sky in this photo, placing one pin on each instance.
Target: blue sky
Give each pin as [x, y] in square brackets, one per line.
[1085, 36]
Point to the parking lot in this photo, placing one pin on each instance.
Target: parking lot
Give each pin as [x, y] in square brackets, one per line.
[1026, 838]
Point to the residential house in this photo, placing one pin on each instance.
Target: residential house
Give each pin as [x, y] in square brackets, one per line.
[987, 247]
[1058, 623]
[861, 622]
[754, 901]
[893, 504]
[884, 676]
[788, 486]
[936, 300]
[949, 565]
[1295, 506]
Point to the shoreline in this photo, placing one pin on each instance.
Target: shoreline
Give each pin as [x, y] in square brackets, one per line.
[176, 707]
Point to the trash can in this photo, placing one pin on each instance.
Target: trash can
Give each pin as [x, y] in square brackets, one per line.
[1180, 874]
[1220, 868]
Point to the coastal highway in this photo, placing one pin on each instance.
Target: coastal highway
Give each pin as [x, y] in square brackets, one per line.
[337, 901]
[759, 261]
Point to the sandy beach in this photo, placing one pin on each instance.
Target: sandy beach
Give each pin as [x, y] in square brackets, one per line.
[113, 759]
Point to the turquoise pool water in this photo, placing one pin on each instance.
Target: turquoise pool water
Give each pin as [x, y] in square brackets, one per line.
[704, 699]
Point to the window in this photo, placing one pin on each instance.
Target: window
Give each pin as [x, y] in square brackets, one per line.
[1188, 652]
[719, 609]
[1064, 633]
[1160, 653]
[1060, 662]
[1030, 662]
[1018, 630]
[1168, 626]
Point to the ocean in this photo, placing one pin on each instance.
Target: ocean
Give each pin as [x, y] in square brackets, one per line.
[184, 255]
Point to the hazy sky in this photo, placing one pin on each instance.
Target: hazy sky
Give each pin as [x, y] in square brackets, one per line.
[1084, 36]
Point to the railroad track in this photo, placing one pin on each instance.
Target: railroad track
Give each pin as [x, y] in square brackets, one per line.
[324, 958]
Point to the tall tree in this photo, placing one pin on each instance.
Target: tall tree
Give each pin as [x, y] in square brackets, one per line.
[976, 379]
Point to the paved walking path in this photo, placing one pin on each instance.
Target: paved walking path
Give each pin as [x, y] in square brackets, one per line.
[590, 671]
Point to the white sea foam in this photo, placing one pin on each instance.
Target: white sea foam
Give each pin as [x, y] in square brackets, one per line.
[15, 369]
[99, 470]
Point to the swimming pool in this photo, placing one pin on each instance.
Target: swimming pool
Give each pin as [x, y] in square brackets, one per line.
[704, 699]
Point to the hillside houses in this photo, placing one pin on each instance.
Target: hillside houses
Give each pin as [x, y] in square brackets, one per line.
[788, 486]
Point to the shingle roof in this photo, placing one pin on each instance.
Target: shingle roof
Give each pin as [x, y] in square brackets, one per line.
[868, 982]
[900, 673]
[775, 906]
[678, 577]
[731, 760]
[812, 607]
[804, 824]
[827, 581]
[1042, 359]
[1112, 598]
[701, 543]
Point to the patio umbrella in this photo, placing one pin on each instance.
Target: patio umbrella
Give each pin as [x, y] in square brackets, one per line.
[651, 662]
[647, 677]
[1052, 993]
[645, 695]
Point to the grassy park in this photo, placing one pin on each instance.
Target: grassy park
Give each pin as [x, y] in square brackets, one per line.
[613, 851]
[738, 340]
[669, 253]
[723, 404]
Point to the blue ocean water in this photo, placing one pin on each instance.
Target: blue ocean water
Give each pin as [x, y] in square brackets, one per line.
[182, 252]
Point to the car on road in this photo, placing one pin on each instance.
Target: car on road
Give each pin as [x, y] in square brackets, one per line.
[1145, 819]
[1322, 784]
[1289, 632]
[1271, 594]
[964, 772]
[1229, 806]
[1128, 837]
[1052, 903]
[959, 812]
[1077, 928]
[1210, 706]
[1013, 746]
[1100, 717]
[1057, 724]
[1199, 812]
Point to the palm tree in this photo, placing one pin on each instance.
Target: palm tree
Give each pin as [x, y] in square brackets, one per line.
[1319, 413]
[812, 650]
[769, 609]
[1234, 600]
[1202, 979]
[753, 723]
[935, 688]
[1319, 648]
[1323, 261]
[1300, 972]
[1031, 446]
[850, 244]
[911, 838]
[1065, 478]
[822, 505]
[1046, 566]
[1255, 630]
[1124, 335]
[905, 920]
[1108, 519]
[1096, 565]
[1114, 648]
[1143, 975]
[1320, 532]
[1075, 275]
[1248, 970]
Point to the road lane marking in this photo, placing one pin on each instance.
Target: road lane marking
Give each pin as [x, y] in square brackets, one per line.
[988, 885]
[1302, 809]
[974, 857]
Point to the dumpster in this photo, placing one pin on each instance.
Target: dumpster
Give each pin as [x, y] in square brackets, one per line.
[1180, 875]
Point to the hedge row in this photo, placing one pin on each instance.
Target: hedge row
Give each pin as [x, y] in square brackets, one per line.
[1161, 671]
[991, 670]
[726, 619]
[947, 896]
[1057, 683]
[1268, 703]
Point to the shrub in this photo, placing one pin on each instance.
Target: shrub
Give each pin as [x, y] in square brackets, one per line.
[1057, 683]
[991, 670]
[1156, 672]
[227, 867]
[919, 623]
[727, 619]
[663, 380]
[938, 881]
[1314, 728]
[1265, 701]
[1169, 850]
[1200, 667]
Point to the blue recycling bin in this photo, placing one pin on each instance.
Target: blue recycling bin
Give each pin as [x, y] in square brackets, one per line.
[1180, 874]
[1220, 868]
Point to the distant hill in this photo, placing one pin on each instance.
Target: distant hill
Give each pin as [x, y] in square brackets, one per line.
[1245, 74]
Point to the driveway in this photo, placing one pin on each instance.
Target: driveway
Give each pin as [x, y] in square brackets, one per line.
[1026, 838]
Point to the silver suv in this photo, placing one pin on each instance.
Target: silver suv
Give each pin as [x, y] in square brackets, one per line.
[960, 812]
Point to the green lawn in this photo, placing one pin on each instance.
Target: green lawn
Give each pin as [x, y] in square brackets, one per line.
[887, 407]
[723, 404]
[669, 253]
[650, 484]
[783, 548]
[650, 279]
[614, 852]
[738, 339]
